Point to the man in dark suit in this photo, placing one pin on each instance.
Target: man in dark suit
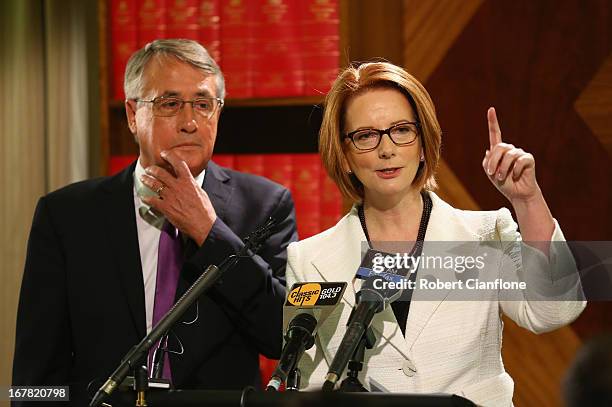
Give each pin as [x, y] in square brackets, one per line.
[91, 287]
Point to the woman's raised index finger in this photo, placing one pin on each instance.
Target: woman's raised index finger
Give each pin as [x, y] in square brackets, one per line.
[494, 130]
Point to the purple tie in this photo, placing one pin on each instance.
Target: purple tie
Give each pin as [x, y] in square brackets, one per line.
[169, 262]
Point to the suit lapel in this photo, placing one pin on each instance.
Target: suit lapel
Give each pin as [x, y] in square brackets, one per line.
[341, 256]
[218, 189]
[444, 226]
[123, 241]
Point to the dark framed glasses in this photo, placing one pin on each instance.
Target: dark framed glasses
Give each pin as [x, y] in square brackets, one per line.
[400, 134]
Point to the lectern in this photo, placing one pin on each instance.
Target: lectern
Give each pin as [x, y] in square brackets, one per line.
[251, 398]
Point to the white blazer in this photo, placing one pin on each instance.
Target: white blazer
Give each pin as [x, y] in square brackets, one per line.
[450, 346]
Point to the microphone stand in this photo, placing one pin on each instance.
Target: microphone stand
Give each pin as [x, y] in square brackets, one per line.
[141, 385]
[209, 277]
[157, 365]
[363, 314]
[352, 384]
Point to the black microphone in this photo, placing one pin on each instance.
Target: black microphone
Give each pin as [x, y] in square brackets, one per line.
[313, 303]
[298, 339]
[374, 296]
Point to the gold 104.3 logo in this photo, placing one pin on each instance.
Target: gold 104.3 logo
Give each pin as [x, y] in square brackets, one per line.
[315, 294]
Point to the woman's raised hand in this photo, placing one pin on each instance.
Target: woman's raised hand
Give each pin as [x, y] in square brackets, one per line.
[510, 169]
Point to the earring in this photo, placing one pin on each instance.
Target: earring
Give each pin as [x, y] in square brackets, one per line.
[422, 157]
[349, 172]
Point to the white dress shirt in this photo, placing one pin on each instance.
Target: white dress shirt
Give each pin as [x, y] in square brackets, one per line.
[149, 226]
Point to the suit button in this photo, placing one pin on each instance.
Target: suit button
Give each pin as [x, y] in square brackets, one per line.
[409, 368]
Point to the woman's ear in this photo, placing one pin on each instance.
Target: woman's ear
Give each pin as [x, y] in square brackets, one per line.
[345, 164]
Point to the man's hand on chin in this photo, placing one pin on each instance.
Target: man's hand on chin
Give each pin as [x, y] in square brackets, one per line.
[179, 198]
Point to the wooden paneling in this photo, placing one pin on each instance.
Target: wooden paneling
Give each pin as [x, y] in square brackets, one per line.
[430, 28]
[452, 190]
[374, 31]
[537, 363]
[595, 104]
[532, 60]
[545, 66]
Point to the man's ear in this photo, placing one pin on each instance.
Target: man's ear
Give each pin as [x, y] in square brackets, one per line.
[130, 111]
[218, 112]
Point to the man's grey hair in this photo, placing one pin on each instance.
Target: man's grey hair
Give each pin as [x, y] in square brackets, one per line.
[188, 51]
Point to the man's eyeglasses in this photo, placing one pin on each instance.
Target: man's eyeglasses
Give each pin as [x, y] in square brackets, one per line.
[369, 139]
[166, 106]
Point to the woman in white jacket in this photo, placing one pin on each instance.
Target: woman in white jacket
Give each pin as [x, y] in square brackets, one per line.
[380, 142]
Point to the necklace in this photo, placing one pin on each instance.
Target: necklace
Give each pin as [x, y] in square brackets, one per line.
[418, 247]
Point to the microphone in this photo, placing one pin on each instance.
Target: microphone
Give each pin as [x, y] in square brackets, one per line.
[298, 339]
[313, 302]
[374, 296]
[293, 380]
